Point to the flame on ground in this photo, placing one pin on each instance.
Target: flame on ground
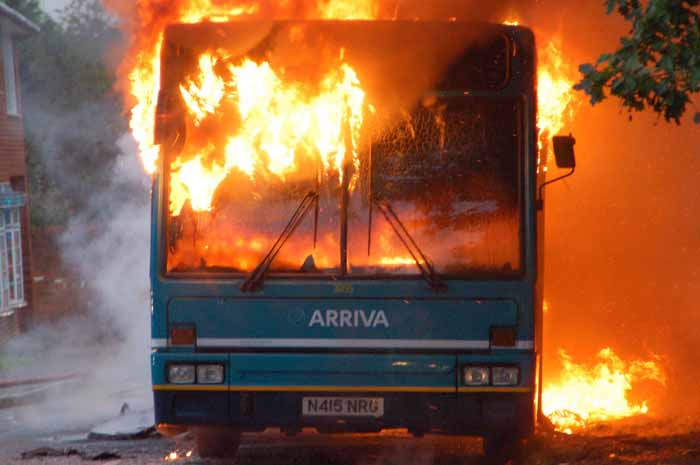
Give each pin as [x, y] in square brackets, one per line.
[175, 456]
[588, 395]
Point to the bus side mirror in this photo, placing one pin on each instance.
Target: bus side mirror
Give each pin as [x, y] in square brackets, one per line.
[564, 154]
[564, 151]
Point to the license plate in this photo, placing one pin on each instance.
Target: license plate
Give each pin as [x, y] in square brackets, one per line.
[343, 406]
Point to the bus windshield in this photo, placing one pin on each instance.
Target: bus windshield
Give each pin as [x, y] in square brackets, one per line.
[449, 171]
[342, 163]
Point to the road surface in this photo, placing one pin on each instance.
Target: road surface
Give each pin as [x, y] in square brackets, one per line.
[650, 442]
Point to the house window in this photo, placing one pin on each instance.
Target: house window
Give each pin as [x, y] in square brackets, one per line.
[11, 272]
[8, 55]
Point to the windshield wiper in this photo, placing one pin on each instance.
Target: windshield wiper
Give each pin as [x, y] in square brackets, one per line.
[257, 277]
[422, 262]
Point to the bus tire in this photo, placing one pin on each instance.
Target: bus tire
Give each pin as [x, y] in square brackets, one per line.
[500, 449]
[217, 442]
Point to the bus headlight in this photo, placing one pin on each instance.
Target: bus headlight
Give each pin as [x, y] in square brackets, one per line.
[505, 376]
[181, 374]
[210, 374]
[476, 376]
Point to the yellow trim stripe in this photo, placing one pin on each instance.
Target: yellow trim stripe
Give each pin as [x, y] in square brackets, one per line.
[342, 389]
[188, 387]
[494, 389]
[185, 387]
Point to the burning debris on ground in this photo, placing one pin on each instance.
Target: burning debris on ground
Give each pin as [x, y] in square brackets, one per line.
[585, 396]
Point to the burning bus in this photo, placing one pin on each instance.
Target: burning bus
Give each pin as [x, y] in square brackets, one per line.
[347, 229]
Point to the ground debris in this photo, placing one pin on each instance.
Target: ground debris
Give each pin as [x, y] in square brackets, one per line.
[127, 426]
[694, 452]
[49, 452]
[145, 433]
[101, 456]
[593, 448]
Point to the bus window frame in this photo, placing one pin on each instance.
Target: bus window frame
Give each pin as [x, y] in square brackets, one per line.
[477, 275]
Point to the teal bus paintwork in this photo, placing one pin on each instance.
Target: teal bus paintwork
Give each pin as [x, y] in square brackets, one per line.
[273, 356]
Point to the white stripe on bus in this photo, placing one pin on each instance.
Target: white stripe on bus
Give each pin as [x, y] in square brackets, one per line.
[258, 343]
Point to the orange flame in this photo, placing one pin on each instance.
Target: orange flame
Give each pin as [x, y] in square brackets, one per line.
[349, 9]
[203, 98]
[584, 396]
[200, 10]
[397, 261]
[174, 456]
[278, 120]
[555, 96]
[144, 75]
[145, 85]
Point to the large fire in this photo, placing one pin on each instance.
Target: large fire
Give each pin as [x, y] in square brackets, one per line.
[583, 395]
[281, 117]
[555, 96]
[145, 73]
[588, 395]
[348, 9]
[145, 85]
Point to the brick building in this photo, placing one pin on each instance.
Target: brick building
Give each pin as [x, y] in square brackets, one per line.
[15, 239]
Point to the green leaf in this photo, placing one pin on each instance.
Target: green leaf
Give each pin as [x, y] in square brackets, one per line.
[603, 58]
[617, 85]
[694, 81]
[666, 63]
[586, 68]
[656, 64]
[630, 84]
[610, 6]
[632, 63]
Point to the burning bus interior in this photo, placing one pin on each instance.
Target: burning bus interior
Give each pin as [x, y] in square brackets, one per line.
[341, 148]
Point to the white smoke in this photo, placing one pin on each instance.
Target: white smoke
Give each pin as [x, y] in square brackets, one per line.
[109, 245]
[108, 344]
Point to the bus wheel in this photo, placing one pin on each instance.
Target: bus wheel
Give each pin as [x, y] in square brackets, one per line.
[501, 449]
[217, 441]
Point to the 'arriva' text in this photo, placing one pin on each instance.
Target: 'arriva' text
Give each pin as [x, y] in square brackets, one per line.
[349, 319]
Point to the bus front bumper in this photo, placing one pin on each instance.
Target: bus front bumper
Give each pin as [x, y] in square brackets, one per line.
[416, 392]
[456, 413]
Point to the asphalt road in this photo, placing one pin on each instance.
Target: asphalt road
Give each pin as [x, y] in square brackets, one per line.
[639, 443]
[256, 449]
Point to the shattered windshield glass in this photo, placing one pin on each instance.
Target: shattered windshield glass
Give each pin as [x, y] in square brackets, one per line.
[333, 162]
[449, 169]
